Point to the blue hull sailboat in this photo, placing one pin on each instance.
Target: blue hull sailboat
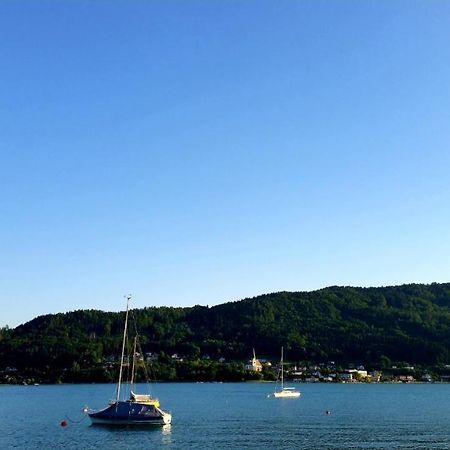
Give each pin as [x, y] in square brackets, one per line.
[137, 409]
[131, 412]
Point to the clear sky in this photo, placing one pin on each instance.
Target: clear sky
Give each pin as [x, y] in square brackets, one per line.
[199, 152]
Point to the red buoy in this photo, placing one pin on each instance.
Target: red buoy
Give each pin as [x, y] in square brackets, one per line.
[63, 423]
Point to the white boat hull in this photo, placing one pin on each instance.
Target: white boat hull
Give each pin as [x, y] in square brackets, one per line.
[284, 394]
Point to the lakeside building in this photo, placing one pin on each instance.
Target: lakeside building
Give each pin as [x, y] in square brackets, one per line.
[352, 375]
[254, 364]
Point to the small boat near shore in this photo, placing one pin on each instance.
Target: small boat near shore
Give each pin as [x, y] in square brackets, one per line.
[284, 392]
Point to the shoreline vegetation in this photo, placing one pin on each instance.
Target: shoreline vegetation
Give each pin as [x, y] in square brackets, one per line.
[336, 334]
[420, 376]
[239, 372]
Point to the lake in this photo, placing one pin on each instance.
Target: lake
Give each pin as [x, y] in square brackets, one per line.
[235, 416]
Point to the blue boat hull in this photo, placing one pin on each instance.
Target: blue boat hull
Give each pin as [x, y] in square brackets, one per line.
[130, 413]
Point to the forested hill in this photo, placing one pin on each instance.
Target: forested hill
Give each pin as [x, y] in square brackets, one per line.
[344, 324]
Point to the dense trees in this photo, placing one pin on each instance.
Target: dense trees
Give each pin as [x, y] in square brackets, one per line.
[372, 326]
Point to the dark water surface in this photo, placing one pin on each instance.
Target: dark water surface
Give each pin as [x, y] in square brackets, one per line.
[235, 416]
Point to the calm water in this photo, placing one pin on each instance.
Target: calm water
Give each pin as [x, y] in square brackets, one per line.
[235, 416]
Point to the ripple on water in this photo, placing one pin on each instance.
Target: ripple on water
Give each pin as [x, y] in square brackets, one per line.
[236, 416]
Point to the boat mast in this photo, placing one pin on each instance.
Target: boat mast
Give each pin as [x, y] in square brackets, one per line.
[281, 368]
[128, 297]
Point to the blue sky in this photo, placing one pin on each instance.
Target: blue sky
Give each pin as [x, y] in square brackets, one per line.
[199, 152]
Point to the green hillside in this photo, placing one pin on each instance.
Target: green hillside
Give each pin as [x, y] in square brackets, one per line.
[371, 326]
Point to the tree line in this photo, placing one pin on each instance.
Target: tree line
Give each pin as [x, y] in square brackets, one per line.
[371, 326]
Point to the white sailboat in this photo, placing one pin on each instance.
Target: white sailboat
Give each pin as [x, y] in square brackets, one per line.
[285, 392]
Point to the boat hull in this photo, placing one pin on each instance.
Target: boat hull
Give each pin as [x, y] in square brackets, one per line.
[286, 394]
[130, 413]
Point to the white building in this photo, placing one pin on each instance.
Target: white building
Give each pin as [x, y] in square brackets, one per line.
[254, 364]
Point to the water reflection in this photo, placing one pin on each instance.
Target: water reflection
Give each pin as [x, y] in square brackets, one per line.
[167, 434]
